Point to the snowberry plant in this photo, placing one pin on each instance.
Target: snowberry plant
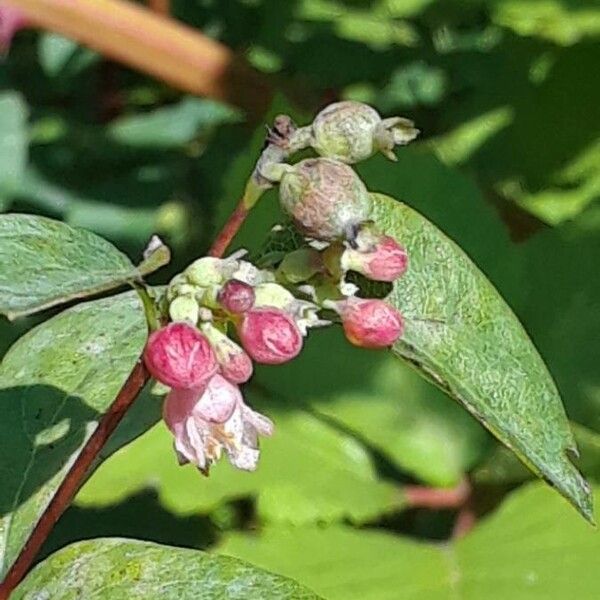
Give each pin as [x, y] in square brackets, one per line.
[357, 260]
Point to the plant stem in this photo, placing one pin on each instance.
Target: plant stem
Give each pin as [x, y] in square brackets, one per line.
[162, 7]
[72, 481]
[156, 45]
[438, 498]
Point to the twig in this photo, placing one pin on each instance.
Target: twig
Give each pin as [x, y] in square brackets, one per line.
[156, 45]
[231, 227]
[72, 481]
[437, 498]
[162, 7]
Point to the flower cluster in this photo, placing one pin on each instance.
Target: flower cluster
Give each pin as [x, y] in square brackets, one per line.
[195, 355]
[226, 314]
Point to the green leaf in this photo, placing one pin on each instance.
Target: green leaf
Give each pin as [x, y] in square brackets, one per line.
[55, 383]
[13, 143]
[532, 547]
[171, 126]
[308, 472]
[463, 336]
[383, 403]
[61, 56]
[563, 23]
[46, 262]
[119, 568]
[502, 467]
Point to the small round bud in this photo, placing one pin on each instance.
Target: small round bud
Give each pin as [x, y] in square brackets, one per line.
[370, 323]
[325, 198]
[352, 131]
[273, 294]
[236, 296]
[179, 356]
[184, 308]
[234, 364]
[385, 260]
[208, 270]
[270, 336]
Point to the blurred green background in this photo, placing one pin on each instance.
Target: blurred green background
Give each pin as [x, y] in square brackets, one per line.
[507, 95]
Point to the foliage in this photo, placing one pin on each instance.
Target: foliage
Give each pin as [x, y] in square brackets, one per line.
[506, 170]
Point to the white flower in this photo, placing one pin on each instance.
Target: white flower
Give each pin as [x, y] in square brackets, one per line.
[206, 422]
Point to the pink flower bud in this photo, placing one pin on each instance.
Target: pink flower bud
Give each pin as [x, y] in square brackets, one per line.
[236, 296]
[235, 365]
[370, 323]
[12, 19]
[179, 356]
[270, 336]
[386, 260]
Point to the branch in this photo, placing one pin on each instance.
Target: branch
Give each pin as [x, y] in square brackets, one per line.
[71, 483]
[156, 45]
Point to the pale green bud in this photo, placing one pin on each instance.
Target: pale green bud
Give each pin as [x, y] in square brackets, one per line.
[352, 131]
[272, 294]
[184, 308]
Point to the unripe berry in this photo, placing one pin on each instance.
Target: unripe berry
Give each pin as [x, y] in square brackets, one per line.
[184, 308]
[179, 356]
[234, 364]
[352, 131]
[270, 336]
[325, 198]
[273, 294]
[208, 270]
[385, 260]
[236, 296]
[370, 323]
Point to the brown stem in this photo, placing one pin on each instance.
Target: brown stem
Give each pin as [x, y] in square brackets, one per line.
[162, 7]
[154, 44]
[231, 227]
[72, 481]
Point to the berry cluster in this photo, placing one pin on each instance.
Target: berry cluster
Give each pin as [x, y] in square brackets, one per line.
[226, 314]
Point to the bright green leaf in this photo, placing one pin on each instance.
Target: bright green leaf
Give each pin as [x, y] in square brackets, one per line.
[55, 383]
[111, 568]
[308, 472]
[383, 403]
[46, 262]
[532, 547]
[463, 336]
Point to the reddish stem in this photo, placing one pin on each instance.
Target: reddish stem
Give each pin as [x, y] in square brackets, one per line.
[71, 483]
[231, 227]
[438, 498]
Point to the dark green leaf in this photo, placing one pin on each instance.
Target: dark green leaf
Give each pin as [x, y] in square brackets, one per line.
[463, 336]
[111, 568]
